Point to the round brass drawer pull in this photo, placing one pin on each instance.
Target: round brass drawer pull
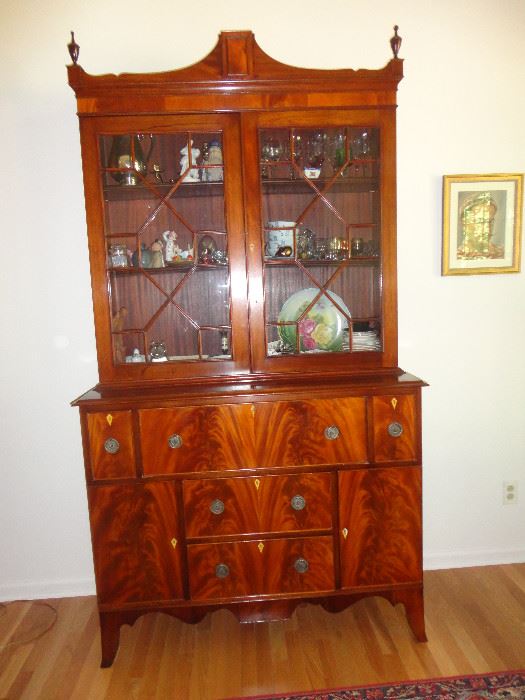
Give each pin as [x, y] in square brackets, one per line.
[112, 446]
[175, 441]
[217, 506]
[222, 570]
[298, 502]
[395, 429]
[301, 565]
[331, 432]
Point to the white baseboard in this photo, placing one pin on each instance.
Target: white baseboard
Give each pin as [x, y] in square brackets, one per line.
[36, 590]
[482, 557]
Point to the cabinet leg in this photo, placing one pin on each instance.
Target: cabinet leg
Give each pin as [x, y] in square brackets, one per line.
[415, 612]
[109, 637]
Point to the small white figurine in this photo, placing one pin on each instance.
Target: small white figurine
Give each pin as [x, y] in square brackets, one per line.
[193, 174]
[172, 248]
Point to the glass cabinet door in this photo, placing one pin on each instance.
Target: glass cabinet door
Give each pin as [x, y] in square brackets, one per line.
[321, 242]
[168, 248]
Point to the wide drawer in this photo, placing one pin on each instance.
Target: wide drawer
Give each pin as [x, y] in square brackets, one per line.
[238, 569]
[247, 505]
[197, 438]
[320, 431]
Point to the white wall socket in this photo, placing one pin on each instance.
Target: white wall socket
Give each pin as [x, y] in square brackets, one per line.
[510, 492]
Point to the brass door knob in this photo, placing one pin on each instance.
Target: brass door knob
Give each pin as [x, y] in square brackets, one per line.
[301, 565]
[298, 502]
[331, 432]
[112, 446]
[395, 429]
[175, 441]
[217, 506]
[222, 570]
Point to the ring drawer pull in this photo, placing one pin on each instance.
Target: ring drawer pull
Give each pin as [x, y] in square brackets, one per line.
[298, 502]
[175, 441]
[112, 446]
[395, 429]
[222, 570]
[301, 565]
[331, 432]
[217, 506]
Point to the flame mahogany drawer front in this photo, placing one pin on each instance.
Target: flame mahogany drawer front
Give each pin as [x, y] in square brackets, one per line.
[320, 431]
[111, 451]
[262, 504]
[267, 434]
[258, 567]
[395, 428]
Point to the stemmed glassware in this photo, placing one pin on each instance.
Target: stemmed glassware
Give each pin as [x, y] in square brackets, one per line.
[271, 152]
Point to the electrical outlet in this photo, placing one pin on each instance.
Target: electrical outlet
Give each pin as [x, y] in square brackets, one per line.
[510, 492]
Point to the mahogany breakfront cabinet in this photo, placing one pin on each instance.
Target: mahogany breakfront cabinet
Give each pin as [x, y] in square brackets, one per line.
[252, 444]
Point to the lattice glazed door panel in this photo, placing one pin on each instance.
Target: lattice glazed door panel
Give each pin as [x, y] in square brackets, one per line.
[320, 215]
[168, 246]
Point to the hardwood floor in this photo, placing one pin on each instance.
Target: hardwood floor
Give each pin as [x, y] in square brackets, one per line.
[475, 621]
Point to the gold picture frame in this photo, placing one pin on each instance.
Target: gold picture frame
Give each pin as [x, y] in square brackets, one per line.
[482, 223]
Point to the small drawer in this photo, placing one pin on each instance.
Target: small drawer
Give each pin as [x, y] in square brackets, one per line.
[248, 505]
[321, 431]
[395, 428]
[111, 451]
[238, 569]
[196, 438]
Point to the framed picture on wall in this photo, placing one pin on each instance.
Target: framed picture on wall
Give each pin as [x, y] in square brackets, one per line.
[481, 223]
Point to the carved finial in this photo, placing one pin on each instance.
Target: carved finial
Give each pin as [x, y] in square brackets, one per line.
[73, 49]
[395, 42]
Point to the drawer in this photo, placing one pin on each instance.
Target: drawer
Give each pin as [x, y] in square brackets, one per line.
[196, 438]
[261, 504]
[321, 431]
[111, 450]
[395, 428]
[238, 569]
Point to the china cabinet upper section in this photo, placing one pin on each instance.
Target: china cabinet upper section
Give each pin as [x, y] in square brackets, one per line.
[241, 218]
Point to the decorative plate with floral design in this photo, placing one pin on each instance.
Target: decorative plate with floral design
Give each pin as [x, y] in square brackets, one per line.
[321, 328]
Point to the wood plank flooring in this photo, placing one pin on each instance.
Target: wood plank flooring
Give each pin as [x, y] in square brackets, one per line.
[475, 621]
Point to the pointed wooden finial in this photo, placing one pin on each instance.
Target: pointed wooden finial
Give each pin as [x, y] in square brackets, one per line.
[73, 49]
[395, 42]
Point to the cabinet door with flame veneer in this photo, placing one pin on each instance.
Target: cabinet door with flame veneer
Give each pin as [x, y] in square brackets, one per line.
[237, 569]
[395, 428]
[321, 431]
[136, 542]
[248, 505]
[380, 521]
[196, 438]
[111, 451]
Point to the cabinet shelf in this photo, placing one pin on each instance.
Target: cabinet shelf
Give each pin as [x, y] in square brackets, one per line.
[182, 267]
[302, 186]
[157, 190]
[362, 260]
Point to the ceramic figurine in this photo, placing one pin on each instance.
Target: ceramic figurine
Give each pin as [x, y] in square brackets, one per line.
[214, 158]
[193, 174]
[157, 257]
[145, 257]
[172, 248]
[157, 351]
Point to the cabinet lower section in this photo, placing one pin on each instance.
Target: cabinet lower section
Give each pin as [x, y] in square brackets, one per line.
[255, 506]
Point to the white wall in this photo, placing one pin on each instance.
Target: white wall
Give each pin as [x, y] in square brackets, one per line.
[462, 107]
